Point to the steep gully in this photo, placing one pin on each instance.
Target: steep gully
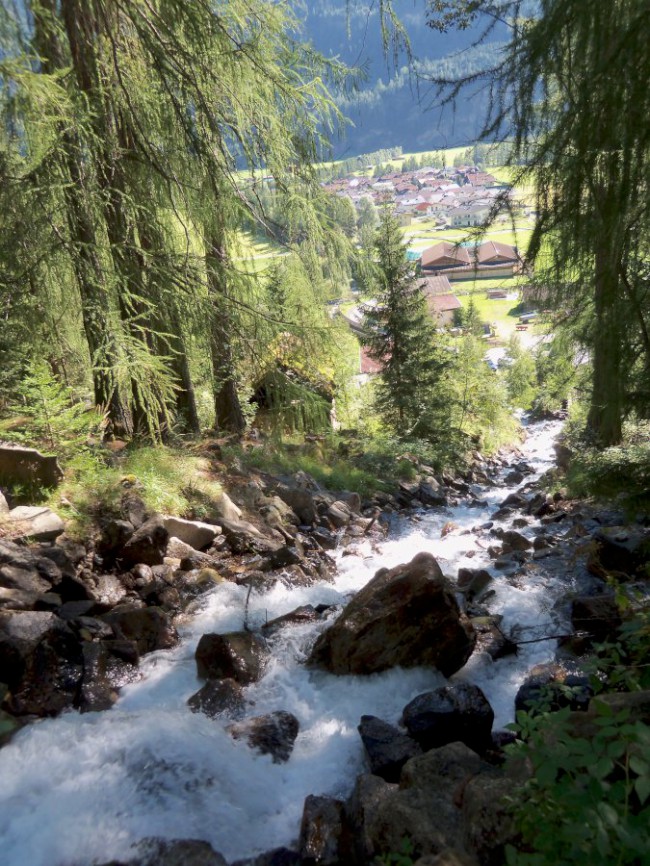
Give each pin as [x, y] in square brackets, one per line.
[80, 789]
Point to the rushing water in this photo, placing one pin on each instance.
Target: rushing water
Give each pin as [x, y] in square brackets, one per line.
[82, 788]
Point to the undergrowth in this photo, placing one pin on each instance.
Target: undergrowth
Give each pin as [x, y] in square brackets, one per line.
[168, 480]
[621, 472]
[359, 464]
[588, 799]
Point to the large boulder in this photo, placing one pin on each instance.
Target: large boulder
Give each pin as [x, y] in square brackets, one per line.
[147, 545]
[149, 627]
[271, 734]
[387, 747]
[621, 549]
[176, 852]
[457, 712]
[407, 616]
[323, 837]
[192, 532]
[4, 505]
[426, 808]
[21, 586]
[34, 522]
[237, 655]
[26, 466]
[218, 697]
[40, 661]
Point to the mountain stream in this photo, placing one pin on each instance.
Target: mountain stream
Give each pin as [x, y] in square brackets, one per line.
[81, 789]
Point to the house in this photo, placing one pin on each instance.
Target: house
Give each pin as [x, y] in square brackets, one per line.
[436, 285]
[469, 215]
[444, 256]
[443, 309]
[367, 365]
[491, 253]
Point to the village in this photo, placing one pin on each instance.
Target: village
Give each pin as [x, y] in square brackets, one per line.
[442, 212]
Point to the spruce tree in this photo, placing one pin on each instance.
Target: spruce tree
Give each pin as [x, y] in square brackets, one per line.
[411, 397]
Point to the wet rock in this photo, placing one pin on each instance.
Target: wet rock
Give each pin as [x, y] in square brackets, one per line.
[322, 832]
[197, 535]
[301, 502]
[361, 809]
[97, 692]
[301, 615]
[275, 857]
[9, 725]
[339, 514]
[431, 494]
[195, 560]
[288, 554]
[513, 478]
[459, 712]
[237, 655]
[271, 734]
[598, 615]
[388, 749]
[219, 697]
[243, 537]
[551, 687]
[40, 661]
[107, 590]
[515, 540]
[148, 627]
[622, 549]
[325, 538]
[472, 581]
[488, 823]
[176, 852]
[21, 586]
[427, 806]
[406, 616]
[147, 544]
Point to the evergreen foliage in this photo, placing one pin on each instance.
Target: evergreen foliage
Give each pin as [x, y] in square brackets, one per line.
[411, 398]
[569, 91]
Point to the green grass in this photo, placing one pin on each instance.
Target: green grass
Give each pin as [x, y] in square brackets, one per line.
[169, 480]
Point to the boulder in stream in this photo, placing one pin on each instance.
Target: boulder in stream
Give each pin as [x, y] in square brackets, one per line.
[457, 712]
[405, 616]
[271, 734]
[239, 655]
[387, 747]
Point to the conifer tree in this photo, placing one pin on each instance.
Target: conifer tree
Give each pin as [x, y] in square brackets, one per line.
[412, 397]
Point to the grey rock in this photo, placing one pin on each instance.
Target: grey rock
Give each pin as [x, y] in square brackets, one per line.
[458, 712]
[218, 697]
[33, 522]
[194, 533]
[406, 616]
[271, 734]
[150, 628]
[322, 831]
[147, 545]
[388, 749]
[20, 465]
[236, 655]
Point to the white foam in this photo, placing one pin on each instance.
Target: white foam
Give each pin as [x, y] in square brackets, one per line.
[79, 789]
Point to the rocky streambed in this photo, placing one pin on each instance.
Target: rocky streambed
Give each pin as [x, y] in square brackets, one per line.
[309, 682]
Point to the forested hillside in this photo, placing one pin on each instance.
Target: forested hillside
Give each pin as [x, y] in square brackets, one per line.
[394, 105]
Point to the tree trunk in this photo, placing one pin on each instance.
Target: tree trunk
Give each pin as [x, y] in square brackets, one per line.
[227, 407]
[90, 274]
[605, 417]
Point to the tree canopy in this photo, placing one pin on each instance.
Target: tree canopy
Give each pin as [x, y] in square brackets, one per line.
[570, 89]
